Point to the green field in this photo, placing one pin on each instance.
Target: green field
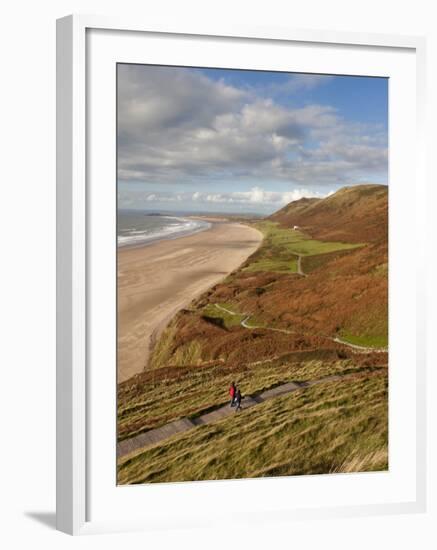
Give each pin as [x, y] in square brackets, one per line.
[337, 426]
[281, 246]
[366, 341]
[221, 313]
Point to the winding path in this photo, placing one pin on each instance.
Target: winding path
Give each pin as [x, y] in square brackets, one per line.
[244, 323]
[359, 348]
[157, 435]
[299, 266]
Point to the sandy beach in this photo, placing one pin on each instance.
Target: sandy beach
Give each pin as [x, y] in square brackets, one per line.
[157, 280]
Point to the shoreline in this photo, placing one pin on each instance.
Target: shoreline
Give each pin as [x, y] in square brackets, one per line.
[170, 236]
[155, 280]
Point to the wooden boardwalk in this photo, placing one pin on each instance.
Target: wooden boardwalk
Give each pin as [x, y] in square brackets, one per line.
[157, 435]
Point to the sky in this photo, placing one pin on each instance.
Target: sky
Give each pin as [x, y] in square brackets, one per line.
[221, 140]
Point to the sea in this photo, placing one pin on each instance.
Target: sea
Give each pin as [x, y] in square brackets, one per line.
[135, 228]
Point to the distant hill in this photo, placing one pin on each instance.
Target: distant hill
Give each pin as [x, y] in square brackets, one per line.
[352, 214]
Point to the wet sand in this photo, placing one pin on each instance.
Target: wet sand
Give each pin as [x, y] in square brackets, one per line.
[157, 280]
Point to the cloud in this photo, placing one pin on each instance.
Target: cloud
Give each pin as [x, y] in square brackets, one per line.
[254, 198]
[288, 86]
[298, 82]
[178, 126]
[259, 196]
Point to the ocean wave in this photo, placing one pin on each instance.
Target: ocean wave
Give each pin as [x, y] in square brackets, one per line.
[174, 228]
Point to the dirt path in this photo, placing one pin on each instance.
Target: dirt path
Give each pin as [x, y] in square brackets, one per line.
[221, 308]
[299, 266]
[359, 348]
[157, 435]
[244, 323]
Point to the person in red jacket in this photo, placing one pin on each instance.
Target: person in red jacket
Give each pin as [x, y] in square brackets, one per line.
[232, 390]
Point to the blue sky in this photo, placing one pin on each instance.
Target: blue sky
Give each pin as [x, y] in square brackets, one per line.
[356, 98]
[245, 141]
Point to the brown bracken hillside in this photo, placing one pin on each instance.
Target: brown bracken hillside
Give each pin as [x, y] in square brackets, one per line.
[343, 293]
[352, 214]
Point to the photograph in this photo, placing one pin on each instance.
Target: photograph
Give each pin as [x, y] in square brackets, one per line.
[252, 274]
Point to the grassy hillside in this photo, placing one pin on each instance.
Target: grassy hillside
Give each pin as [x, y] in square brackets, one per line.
[156, 397]
[352, 214]
[279, 317]
[333, 427]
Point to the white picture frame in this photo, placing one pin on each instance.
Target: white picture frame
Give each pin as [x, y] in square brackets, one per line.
[74, 220]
